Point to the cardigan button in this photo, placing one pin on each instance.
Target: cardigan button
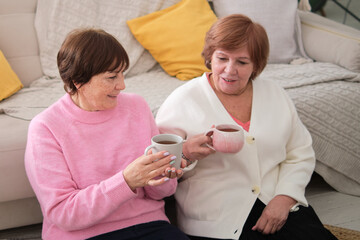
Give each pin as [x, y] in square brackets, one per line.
[255, 189]
[250, 139]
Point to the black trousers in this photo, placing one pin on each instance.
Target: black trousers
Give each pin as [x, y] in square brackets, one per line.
[157, 230]
[303, 224]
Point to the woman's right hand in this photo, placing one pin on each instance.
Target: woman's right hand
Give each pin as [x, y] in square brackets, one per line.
[195, 149]
[148, 170]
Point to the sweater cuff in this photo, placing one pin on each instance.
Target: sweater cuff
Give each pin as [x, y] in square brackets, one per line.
[294, 191]
[117, 188]
[164, 190]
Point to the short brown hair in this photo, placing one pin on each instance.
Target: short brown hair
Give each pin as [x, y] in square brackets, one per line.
[236, 31]
[87, 52]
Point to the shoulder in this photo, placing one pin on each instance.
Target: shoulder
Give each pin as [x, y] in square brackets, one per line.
[53, 111]
[268, 87]
[265, 83]
[193, 83]
[274, 93]
[53, 114]
[189, 89]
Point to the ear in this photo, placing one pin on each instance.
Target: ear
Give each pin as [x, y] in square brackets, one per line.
[254, 74]
[77, 85]
[208, 64]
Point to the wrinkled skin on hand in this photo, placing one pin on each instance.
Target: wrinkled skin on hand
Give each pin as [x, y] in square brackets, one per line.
[195, 149]
[274, 215]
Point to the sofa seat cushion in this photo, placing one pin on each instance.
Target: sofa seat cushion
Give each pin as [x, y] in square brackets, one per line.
[13, 179]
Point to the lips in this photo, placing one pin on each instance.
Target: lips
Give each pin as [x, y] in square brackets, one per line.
[228, 80]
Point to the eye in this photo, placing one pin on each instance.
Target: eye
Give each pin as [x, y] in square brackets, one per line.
[112, 77]
[222, 58]
[242, 62]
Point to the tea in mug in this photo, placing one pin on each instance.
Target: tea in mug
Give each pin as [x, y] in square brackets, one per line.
[166, 142]
[228, 130]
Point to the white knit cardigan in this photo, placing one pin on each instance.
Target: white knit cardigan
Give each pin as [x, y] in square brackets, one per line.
[216, 196]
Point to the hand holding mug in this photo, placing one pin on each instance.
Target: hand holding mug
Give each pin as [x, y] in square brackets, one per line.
[226, 138]
[145, 170]
[195, 147]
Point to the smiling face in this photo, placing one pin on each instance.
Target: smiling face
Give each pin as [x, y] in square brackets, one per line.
[101, 92]
[231, 70]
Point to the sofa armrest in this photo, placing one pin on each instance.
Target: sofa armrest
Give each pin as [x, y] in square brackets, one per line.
[328, 41]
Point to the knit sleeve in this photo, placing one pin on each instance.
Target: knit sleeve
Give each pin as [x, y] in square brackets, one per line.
[297, 168]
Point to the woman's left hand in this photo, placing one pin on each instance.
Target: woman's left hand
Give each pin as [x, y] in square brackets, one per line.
[274, 215]
[173, 173]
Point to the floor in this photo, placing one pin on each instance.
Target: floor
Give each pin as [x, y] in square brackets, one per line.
[332, 207]
[336, 13]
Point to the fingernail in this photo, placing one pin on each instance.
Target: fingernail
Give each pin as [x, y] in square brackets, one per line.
[173, 170]
[173, 158]
[169, 170]
[172, 162]
[166, 153]
[166, 179]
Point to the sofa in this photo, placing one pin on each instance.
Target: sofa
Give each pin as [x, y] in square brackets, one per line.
[321, 74]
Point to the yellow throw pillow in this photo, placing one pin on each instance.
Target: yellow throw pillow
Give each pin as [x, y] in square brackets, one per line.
[9, 81]
[175, 36]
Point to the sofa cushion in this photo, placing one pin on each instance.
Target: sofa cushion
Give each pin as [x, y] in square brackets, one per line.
[14, 183]
[278, 17]
[175, 36]
[10, 82]
[55, 19]
[329, 41]
[22, 212]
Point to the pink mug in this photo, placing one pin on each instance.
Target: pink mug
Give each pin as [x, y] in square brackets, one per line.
[226, 138]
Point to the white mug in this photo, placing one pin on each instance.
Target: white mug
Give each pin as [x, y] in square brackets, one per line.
[226, 138]
[168, 142]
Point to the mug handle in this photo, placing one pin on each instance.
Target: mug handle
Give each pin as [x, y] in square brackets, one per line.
[209, 131]
[148, 148]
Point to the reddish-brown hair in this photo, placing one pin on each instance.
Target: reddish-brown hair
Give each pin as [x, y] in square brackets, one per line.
[86, 53]
[234, 32]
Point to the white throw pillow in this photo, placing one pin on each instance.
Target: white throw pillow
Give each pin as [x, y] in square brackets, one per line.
[56, 18]
[278, 17]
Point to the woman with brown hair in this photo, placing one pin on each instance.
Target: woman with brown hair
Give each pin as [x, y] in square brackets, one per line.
[258, 192]
[84, 155]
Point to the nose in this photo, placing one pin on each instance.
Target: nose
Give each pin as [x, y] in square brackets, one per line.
[120, 84]
[230, 68]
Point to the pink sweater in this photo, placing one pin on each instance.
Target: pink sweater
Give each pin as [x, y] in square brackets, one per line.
[74, 160]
